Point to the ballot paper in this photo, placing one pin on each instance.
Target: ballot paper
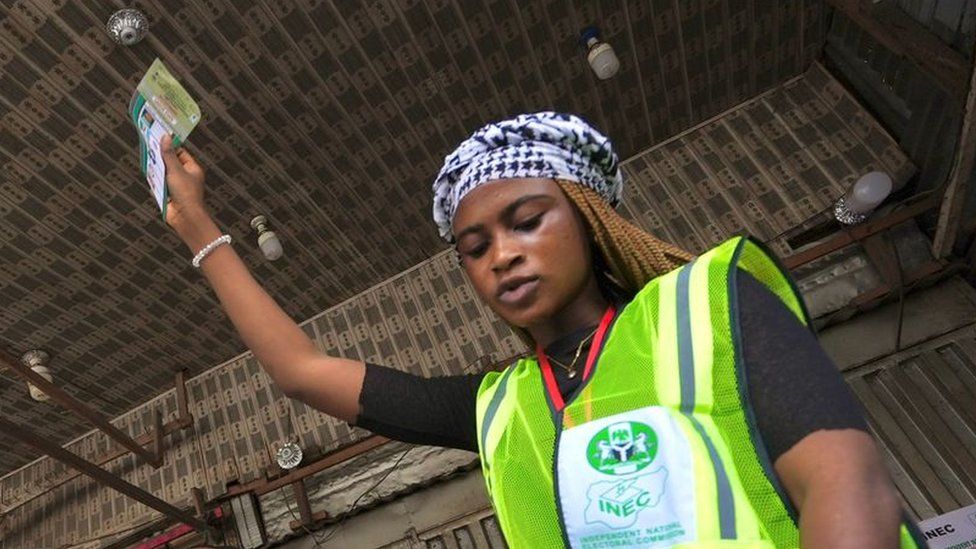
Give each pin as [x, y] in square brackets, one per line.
[160, 106]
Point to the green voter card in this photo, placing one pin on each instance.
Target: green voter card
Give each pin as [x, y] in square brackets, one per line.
[160, 106]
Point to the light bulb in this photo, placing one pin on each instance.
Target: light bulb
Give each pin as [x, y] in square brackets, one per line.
[270, 245]
[864, 196]
[603, 60]
[869, 191]
[267, 239]
[35, 359]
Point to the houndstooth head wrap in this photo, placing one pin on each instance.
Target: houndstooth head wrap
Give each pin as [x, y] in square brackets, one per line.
[543, 144]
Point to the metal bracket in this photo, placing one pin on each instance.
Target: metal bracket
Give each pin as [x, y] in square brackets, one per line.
[184, 421]
[101, 475]
[57, 394]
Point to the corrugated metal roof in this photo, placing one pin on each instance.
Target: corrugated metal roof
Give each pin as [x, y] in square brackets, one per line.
[329, 117]
[921, 405]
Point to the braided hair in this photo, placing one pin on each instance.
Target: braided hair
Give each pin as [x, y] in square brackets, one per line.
[631, 256]
[625, 257]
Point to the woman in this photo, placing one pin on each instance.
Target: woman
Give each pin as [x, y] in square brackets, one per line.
[670, 401]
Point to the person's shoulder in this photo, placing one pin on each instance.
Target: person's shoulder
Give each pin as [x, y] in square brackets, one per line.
[517, 368]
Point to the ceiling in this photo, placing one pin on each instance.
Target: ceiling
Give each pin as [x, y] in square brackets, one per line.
[329, 117]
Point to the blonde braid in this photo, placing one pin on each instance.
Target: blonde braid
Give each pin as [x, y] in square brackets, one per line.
[634, 256]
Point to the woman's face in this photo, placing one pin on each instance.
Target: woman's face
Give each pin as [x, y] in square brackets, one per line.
[524, 247]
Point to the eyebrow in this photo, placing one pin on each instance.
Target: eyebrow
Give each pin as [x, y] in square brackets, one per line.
[507, 212]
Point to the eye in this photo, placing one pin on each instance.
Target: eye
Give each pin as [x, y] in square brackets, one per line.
[476, 250]
[529, 224]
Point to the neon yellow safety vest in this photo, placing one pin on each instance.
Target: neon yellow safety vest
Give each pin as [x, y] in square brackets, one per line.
[658, 447]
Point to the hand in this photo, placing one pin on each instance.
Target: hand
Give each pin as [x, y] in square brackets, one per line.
[184, 180]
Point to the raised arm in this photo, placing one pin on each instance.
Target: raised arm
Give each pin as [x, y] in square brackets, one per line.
[329, 384]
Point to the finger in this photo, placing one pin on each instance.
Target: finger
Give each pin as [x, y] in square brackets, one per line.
[189, 163]
[170, 157]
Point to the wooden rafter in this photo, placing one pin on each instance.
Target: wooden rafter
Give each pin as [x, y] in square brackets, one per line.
[947, 228]
[906, 37]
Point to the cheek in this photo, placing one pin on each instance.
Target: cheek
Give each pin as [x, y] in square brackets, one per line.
[479, 281]
[570, 265]
[566, 247]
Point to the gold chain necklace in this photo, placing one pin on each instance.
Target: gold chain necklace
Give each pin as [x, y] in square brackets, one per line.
[571, 369]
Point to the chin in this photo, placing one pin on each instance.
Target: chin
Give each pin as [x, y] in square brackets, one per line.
[524, 317]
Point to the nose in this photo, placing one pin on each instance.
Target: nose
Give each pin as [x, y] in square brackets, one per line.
[507, 253]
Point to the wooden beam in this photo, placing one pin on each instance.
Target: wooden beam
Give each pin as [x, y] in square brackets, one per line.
[166, 539]
[263, 486]
[101, 475]
[925, 274]
[157, 434]
[317, 517]
[947, 227]
[906, 37]
[70, 474]
[181, 403]
[879, 250]
[94, 417]
[128, 540]
[199, 500]
[857, 232]
[301, 499]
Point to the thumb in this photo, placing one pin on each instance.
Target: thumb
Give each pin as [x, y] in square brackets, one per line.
[169, 153]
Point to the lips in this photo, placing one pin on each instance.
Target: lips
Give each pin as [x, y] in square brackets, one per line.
[517, 289]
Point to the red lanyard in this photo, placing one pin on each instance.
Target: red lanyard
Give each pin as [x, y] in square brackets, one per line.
[550, 379]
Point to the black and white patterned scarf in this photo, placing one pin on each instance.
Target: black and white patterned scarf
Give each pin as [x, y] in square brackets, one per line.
[543, 144]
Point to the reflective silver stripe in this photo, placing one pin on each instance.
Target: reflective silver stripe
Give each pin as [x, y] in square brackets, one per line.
[726, 503]
[686, 354]
[686, 371]
[496, 400]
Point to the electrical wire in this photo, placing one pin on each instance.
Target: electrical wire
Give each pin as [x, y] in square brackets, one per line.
[346, 515]
[912, 199]
[801, 224]
[310, 533]
[901, 293]
[335, 529]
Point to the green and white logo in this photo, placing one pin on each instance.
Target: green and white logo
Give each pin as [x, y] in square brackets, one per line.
[617, 502]
[622, 448]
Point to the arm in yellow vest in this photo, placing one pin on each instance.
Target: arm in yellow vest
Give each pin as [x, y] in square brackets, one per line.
[839, 484]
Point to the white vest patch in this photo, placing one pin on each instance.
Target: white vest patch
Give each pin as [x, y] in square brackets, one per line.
[627, 481]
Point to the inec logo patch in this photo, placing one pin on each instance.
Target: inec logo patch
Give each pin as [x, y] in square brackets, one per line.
[622, 448]
[617, 502]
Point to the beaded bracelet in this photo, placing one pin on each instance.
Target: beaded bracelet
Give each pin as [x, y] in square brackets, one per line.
[202, 254]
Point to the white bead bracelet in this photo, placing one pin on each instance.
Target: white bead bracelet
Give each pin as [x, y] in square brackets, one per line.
[202, 254]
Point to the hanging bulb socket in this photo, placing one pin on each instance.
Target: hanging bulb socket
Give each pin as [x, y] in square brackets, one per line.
[127, 26]
[288, 455]
[870, 190]
[600, 55]
[36, 360]
[267, 240]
